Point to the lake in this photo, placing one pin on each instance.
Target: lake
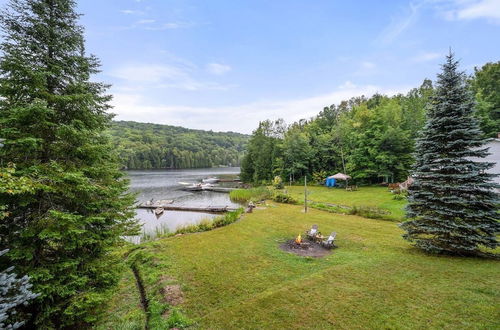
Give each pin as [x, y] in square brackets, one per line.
[164, 184]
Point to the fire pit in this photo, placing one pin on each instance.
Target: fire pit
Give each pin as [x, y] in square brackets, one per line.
[305, 249]
[299, 243]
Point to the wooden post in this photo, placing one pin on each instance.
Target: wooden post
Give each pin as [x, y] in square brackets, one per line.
[305, 194]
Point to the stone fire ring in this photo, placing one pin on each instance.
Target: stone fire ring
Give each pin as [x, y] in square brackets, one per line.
[313, 249]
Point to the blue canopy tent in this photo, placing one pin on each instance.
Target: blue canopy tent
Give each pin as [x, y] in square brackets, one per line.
[330, 182]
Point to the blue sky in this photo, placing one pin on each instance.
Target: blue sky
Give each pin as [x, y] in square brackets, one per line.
[226, 65]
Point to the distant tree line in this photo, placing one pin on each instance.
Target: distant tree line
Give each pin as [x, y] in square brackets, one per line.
[371, 139]
[155, 146]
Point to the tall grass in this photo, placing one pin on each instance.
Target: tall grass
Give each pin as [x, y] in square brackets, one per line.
[206, 225]
[360, 210]
[160, 231]
[253, 194]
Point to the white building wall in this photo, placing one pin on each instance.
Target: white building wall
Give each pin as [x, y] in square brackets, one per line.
[494, 158]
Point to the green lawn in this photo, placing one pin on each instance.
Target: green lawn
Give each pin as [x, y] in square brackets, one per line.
[370, 196]
[236, 277]
[125, 311]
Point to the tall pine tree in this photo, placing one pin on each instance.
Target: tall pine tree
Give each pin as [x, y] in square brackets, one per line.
[53, 117]
[453, 204]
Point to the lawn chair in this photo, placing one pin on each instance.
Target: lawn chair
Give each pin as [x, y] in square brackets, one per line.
[313, 232]
[328, 243]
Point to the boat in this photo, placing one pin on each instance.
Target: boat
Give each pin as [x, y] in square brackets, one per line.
[193, 187]
[159, 210]
[210, 180]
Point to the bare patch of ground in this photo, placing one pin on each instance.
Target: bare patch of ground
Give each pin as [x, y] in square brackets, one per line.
[311, 249]
[172, 294]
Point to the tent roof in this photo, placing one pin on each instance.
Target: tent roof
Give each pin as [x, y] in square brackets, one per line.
[340, 176]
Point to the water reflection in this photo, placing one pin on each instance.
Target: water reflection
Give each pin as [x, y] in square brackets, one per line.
[164, 184]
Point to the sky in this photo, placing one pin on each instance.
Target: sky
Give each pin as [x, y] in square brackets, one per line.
[225, 65]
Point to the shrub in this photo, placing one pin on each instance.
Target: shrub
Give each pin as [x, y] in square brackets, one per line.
[369, 212]
[284, 198]
[254, 194]
[400, 197]
[278, 182]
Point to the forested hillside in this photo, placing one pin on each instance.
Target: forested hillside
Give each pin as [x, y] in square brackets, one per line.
[371, 139]
[154, 146]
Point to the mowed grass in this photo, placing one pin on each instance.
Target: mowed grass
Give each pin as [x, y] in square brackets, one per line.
[236, 277]
[125, 311]
[370, 196]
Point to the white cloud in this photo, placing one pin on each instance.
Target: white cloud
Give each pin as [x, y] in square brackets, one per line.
[467, 10]
[131, 12]
[147, 73]
[146, 21]
[152, 25]
[449, 9]
[130, 106]
[162, 76]
[401, 22]
[218, 69]
[427, 56]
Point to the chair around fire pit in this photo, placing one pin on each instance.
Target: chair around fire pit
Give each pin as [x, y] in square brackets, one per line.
[328, 243]
[313, 232]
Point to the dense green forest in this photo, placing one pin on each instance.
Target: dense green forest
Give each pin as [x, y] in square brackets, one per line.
[153, 146]
[371, 139]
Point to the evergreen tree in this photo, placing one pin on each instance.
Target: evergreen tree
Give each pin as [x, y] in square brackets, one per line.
[14, 292]
[452, 204]
[53, 118]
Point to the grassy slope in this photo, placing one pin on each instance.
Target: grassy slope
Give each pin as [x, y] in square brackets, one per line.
[125, 311]
[366, 196]
[236, 277]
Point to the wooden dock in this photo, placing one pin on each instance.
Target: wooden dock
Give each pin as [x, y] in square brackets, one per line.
[214, 189]
[204, 209]
[219, 189]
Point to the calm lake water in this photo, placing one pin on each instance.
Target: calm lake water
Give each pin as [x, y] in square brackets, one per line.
[164, 184]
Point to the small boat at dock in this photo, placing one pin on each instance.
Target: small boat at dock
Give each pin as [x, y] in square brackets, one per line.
[211, 180]
[159, 210]
[193, 187]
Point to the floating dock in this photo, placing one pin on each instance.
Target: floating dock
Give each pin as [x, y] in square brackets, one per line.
[214, 189]
[204, 209]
